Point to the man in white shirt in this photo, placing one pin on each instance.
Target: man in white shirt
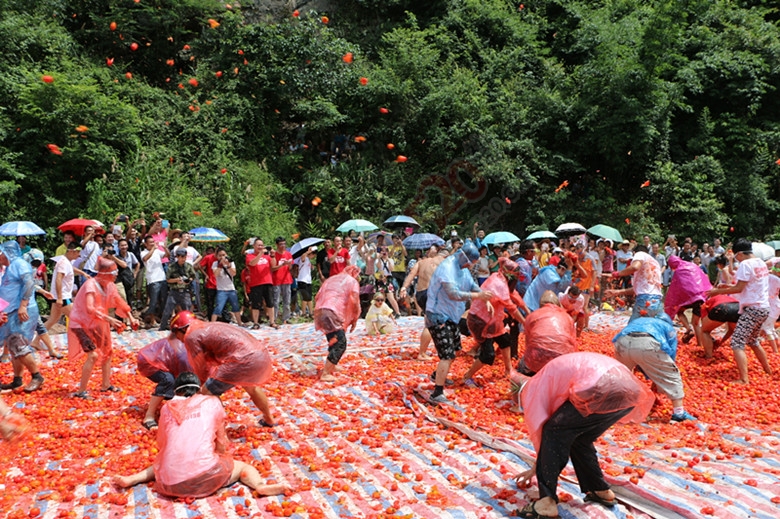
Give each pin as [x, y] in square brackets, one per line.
[90, 252]
[646, 284]
[62, 280]
[304, 280]
[717, 247]
[155, 278]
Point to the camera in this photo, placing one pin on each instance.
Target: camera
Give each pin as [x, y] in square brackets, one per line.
[185, 280]
[122, 218]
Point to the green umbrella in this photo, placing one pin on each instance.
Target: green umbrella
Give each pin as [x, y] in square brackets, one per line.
[775, 244]
[607, 232]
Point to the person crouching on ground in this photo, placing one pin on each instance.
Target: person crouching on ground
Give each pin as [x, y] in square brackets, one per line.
[379, 318]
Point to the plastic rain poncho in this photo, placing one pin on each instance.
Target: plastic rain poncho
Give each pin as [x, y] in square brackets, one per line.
[340, 294]
[17, 284]
[168, 355]
[549, 333]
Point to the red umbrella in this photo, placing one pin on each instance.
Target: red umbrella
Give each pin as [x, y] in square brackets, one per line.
[77, 225]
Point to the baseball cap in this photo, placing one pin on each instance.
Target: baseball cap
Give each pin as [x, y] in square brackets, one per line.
[181, 252]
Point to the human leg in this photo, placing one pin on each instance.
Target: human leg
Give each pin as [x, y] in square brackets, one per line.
[285, 292]
[260, 399]
[425, 340]
[249, 476]
[337, 345]
[446, 338]
[105, 371]
[221, 301]
[144, 476]
[746, 334]
[86, 370]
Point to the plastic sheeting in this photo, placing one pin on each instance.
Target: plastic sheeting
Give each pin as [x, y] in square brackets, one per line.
[192, 429]
[340, 294]
[168, 354]
[549, 333]
[227, 353]
[593, 383]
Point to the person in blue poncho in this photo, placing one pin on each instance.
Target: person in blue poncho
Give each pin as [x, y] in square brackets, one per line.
[651, 344]
[17, 289]
[450, 288]
[556, 276]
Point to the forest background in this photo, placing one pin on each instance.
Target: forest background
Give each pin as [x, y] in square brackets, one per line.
[651, 116]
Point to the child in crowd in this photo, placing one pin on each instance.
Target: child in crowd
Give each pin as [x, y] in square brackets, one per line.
[379, 319]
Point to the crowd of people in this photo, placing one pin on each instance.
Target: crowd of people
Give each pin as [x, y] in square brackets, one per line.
[493, 293]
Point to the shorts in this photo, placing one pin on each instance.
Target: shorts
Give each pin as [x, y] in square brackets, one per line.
[86, 342]
[259, 294]
[67, 302]
[657, 365]
[446, 338]
[725, 313]
[695, 308]
[422, 298]
[337, 345]
[40, 329]
[748, 327]
[18, 346]
[399, 277]
[216, 387]
[305, 290]
[165, 384]
[487, 351]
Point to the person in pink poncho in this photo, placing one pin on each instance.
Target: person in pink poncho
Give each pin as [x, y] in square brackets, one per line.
[549, 333]
[161, 362]
[568, 405]
[90, 325]
[226, 356]
[336, 307]
[687, 290]
[193, 461]
[486, 319]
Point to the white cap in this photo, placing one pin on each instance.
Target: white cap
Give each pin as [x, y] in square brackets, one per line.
[454, 233]
[557, 249]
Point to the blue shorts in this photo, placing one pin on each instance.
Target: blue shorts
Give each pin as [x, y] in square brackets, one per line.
[216, 387]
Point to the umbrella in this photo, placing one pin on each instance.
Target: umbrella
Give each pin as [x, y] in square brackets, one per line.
[499, 237]
[372, 238]
[607, 232]
[775, 244]
[763, 251]
[569, 229]
[357, 225]
[20, 229]
[302, 246]
[422, 241]
[541, 235]
[77, 226]
[401, 220]
[208, 234]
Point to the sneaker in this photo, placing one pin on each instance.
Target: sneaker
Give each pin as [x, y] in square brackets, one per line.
[34, 385]
[255, 326]
[685, 415]
[449, 381]
[17, 382]
[471, 384]
[441, 399]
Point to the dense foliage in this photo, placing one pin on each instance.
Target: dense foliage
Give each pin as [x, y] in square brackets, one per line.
[650, 116]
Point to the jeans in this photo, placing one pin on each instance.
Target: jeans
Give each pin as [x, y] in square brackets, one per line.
[155, 292]
[282, 291]
[224, 297]
[180, 298]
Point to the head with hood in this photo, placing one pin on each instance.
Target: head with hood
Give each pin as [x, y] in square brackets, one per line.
[9, 250]
[352, 270]
[107, 271]
[508, 267]
[467, 254]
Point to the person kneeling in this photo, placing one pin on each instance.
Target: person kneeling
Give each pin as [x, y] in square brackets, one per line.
[193, 460]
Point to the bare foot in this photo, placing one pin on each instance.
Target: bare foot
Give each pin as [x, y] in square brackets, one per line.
[121, 481]
[740, 381]
[423, 356]
[271, 490]
[327, 378]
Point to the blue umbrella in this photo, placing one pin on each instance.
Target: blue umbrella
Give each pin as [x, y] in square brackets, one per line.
[422, 241]
[500, 237]
[208, 234]
[541, 235]
[401, 220]
[20, 229]
[357, 225]
[302, 246]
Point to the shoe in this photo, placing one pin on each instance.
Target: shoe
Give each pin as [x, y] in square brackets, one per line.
[595, 498]
[688, 336]
[441, 399]
[34, 385]
[149, 424]
[449, 381]
[529, 512]
[82, 395]
[255, 326]
[263, 423]
[471, 384]
[684, 416]
[17, 383]
[111, 389]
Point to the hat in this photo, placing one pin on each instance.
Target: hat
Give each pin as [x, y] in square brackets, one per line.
[106, 267]
[625, 242]
[32, 255]
[554, 261]
[557, 249]
[182, 320]
[742, 245]
[11, 249]
[181, 251]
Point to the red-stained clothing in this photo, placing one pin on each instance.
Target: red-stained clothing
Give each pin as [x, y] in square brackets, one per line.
[227, 353]
[192, 429]
[714, 301]
[168, 354]
[259, 274]
[206, 263]
[283, 276]
[549, 333]
[337, 304]
[89, 323]
[338, 260]
[593, 383]
[501, 300]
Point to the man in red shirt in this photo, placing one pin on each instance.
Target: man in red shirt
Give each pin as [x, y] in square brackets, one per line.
[211, 282]
[261, 287]
[281, 262]
[338, 257]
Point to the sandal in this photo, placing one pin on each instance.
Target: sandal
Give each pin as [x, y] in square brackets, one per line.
[529, 512]
[263, 423]
[55, 356]
[595, 498]
[82, 395]
[111, 389]
[150, 424]
[688, 336]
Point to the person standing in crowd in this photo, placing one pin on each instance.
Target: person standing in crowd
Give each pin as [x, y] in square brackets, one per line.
[90, 252]
[155, 279]
[210, 286]
[281, 264]
[62, 284]
[261, 288]
[179, 277]
[323, 265]
[338, 256]
[128, 266]
[193, 258]
[645, 285]
[68, 237]
[304, 281]
[225, 272]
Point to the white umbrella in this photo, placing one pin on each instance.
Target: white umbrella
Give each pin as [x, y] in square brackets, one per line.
[763, 251]
[569, 229]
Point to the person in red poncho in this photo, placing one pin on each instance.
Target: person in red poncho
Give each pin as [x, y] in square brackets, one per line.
[161, 362]
[89, 331]
[224, 356]
[549, 333]
[336, 307]
[568, 405]
[193, 461]
[486, 319]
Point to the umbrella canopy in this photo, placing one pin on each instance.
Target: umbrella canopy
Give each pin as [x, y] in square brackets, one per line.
[422, 241]
[20, 229]
[607, 232]
[372, 238]
[401, 220]
[302, 246]
[541, 235]
[208, 234]
[569, 229]
[357, 225]
[500, 237]
[763, 251]
[77, 226]
[775, 244]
